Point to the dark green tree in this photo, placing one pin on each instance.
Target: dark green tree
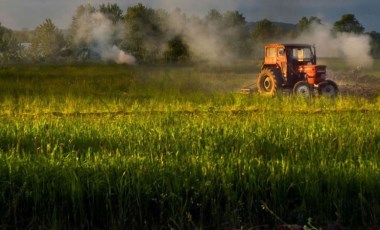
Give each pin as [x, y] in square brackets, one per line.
[214, 16]
[5, 39]
[375, 43]
[177, 51]
[264, 31]
[115, 15]
[233, 19]
[47, 41]
[10, 50]
[235, 33]
[112, 12]
[305, 23]
[349, 24]
[144, 34]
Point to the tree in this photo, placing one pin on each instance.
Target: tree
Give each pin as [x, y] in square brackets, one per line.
[233, 19]
[5, 38]
[10, 50]
[349, 24]
[115, 15]
[236, 33]
[81, 14]
[214, 23]
[112, 12]
[144, 34]
[79, 34]
[214, 18]
[375, 43]
[177, 50]
[264, 31]
[47, 41]
[305, 23]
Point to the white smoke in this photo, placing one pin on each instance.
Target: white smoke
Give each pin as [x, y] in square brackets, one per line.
[354, 48]
[115, 54]
[206, 41]
[97, 31]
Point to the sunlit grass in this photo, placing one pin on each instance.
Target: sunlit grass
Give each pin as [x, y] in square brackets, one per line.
[159, 147]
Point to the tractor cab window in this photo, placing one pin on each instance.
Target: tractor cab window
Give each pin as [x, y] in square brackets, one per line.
[271, 52]
[302, 54]
[281, 52]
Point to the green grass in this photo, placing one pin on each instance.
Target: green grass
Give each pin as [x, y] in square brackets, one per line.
[152, 147]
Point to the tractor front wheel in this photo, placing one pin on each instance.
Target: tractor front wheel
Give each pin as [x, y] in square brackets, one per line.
[268, 82]
[328, 88]
[302, 88]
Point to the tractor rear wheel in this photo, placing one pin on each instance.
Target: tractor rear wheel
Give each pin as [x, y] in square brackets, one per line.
[328, 89]
[269, 82]
[304, 89]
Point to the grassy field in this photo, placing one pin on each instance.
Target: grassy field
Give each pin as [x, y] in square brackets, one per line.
[164, 147]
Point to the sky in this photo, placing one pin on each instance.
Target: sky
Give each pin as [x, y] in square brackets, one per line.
[28, 14]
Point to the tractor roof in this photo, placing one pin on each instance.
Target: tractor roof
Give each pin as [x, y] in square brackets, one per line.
[290, 45]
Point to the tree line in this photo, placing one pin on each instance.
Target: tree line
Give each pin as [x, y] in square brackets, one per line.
[156, 35]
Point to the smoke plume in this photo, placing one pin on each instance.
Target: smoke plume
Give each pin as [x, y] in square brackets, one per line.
[207, 41]
[98, 32]
[354, 48]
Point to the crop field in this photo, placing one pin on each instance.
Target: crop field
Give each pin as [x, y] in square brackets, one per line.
[103, 146]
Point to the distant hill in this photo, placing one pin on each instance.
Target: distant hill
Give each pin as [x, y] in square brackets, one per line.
[282, 25]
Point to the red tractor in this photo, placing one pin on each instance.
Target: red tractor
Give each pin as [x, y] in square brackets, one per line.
[294, 67]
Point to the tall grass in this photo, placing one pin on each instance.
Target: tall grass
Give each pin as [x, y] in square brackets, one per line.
[110, 147]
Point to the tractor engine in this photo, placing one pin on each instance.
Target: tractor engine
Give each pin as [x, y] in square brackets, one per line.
[314, 74]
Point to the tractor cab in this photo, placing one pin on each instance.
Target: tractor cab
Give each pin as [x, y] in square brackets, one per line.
[291, 66]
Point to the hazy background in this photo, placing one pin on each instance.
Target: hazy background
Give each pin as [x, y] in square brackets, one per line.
[19, 14]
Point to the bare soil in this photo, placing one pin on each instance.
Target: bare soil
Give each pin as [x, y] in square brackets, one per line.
[356, 83]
